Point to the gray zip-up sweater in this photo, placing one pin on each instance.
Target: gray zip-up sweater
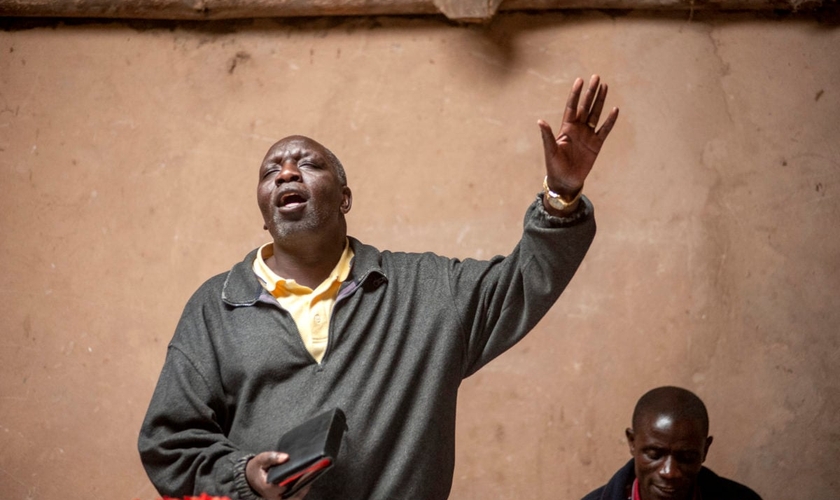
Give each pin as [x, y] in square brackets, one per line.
[405, 330]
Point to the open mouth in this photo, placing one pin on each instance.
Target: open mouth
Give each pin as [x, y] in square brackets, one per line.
[291, 200]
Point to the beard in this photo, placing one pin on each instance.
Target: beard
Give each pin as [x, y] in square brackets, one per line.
[281, 227]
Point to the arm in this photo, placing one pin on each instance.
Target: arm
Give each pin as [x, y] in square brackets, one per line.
[570, 156]
[184, 449]
[184, 441]
[502, 301]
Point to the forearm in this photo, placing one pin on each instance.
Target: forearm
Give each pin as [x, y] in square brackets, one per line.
[182, 444]
[503, 300]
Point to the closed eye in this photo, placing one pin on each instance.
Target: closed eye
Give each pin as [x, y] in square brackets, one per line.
[269, 171]
[308, 164]
[688, 457]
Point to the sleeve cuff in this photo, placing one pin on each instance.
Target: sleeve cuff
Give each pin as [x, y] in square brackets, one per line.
[584, 211]
[240, 481]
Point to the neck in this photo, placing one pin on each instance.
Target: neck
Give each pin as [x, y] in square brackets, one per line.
[309, 263]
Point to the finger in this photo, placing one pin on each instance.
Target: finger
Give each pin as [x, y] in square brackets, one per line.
[595, 114]
[608, 125]
[583, 109]
[276, 458]
[572, 101]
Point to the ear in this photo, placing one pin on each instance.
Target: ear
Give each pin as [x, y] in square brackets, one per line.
[347, 199]
[631, 440]
[706, 449]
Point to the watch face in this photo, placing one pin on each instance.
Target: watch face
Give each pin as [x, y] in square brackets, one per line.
[557, 203]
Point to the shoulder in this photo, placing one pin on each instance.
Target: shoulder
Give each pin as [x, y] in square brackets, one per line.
[616, 487]
[369, 258]
[715, 486]
[211, 289]
[595, 494]
[238, 286]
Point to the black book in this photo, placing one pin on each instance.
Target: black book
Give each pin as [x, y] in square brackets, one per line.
[312, 448]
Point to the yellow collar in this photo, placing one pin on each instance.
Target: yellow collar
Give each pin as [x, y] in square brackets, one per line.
[280, 287]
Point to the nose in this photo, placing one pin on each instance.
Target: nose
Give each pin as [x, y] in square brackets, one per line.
[669, 469]
[289, 172]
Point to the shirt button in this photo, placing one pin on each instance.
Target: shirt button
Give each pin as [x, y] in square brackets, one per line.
[318, 319]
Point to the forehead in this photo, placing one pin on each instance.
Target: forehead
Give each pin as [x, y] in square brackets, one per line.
[668, 431]
[295, 147]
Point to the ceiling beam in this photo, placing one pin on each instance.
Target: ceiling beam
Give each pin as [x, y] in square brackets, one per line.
[457, 10]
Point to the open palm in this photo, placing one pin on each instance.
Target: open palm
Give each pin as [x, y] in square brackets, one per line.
[570, 155]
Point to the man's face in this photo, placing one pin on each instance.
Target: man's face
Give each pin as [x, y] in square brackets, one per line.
[299, 189]
[668, 453]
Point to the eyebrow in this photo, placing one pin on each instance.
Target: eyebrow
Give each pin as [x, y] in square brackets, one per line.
[273, 157]
[657, 448]
[299, 153]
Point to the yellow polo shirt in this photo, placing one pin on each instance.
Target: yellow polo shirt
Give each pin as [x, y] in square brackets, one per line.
[309, 308]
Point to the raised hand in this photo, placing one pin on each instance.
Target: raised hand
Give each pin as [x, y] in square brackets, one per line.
[570, 156]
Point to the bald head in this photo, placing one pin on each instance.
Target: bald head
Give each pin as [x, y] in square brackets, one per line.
[669, 441]
[303, 196]
[674, 402]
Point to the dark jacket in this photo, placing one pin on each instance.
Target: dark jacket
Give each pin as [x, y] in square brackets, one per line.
[405, 330]
[712, 486]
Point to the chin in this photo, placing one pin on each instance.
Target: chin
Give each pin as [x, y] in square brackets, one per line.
[655, 493]
[281, 230]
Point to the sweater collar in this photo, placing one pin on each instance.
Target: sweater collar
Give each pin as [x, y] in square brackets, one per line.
[242, 288]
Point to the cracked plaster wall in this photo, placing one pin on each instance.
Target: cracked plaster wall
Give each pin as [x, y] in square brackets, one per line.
[128, 159]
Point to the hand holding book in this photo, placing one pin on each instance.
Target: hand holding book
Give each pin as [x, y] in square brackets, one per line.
[305, 453]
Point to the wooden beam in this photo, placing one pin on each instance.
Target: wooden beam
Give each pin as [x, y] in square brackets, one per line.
[459, 10]
[469, 11]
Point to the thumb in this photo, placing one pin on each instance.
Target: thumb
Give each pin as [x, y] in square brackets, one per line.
[547, 136]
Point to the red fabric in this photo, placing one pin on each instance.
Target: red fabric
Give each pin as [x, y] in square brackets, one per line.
[636, 496]
[203, 496]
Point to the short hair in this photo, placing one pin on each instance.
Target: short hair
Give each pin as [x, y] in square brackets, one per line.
[336, 163]
[681, 403]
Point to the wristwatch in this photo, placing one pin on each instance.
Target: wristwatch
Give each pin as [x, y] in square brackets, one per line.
[556, 201]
